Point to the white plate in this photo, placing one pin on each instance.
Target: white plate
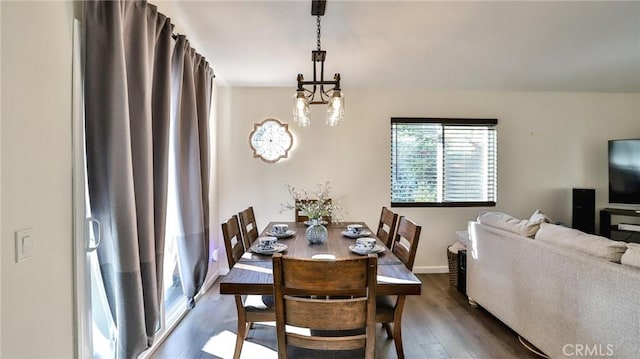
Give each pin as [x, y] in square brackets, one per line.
[277, 248]
[308, 223]
[290, 233]
[351, 235]
[376, 249]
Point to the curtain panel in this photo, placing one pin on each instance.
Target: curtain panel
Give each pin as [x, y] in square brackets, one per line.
[190, 105]
[130, 110]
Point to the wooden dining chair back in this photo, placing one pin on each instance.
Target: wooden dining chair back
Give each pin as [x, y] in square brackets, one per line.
[325, 295]
[406, 239]
[232, 240]
[301, 216]
[250, 309]
[248, 227]
[389, 308]
[387, 226]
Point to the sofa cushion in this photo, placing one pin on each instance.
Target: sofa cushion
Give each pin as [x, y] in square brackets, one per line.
[632, 256]
[505, 222]
[587, 243]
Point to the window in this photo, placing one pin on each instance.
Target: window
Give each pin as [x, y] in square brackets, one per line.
[443, 162]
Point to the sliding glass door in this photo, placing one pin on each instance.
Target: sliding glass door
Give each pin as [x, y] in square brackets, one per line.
[96, 328]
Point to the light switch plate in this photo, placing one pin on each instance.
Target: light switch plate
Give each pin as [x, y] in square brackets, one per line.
[24, 244]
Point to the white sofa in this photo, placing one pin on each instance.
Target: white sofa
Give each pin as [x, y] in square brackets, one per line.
[562, 300]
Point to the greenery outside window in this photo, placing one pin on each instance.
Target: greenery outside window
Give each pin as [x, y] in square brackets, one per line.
[443, 162]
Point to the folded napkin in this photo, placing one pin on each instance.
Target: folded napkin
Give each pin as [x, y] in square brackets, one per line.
[326, 257]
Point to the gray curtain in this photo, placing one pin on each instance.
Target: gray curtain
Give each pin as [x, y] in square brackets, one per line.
[128, 113]
[191, 94]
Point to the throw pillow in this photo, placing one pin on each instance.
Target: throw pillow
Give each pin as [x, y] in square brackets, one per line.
[508, 223]
[463, 237]
[587, 243]
[632, 256]
[539, 217]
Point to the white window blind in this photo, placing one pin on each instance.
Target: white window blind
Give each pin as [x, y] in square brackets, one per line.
[443, 162]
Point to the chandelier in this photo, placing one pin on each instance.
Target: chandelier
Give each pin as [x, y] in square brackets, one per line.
[314, 92]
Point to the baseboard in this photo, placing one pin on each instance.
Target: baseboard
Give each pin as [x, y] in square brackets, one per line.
[430, 269]
[210, 280]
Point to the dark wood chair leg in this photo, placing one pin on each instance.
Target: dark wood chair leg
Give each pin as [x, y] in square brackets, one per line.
[397, 326]
[397, 339]
[242, 329]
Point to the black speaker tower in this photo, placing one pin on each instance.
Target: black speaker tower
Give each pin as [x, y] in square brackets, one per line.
[584, 210]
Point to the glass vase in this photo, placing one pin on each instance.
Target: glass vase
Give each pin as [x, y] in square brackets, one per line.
[316, 232]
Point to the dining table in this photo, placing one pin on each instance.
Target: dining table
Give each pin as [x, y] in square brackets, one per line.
[252, 274]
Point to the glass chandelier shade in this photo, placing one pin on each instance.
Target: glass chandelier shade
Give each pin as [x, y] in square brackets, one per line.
[301, 115]
[335, 112]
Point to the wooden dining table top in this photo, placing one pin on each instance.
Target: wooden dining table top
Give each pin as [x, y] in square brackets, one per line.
[253, 272]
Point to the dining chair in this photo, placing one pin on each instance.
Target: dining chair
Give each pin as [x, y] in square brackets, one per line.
[248, 227]
[326, 295]
[387, 226]
[389, 308]
[301, 216]
[248, 311]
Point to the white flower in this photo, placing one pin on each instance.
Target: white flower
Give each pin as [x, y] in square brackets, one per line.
[321, 205]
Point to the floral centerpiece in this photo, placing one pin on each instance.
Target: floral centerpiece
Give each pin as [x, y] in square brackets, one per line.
[316, 205]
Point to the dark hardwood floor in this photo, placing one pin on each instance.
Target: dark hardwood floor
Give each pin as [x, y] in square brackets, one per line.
[437, 324]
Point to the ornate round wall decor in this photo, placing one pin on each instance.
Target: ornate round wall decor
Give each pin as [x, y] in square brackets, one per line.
[270, 140]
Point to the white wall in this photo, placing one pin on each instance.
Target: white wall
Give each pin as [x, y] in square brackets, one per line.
[37, 297]
[0, 182]
[548, 143]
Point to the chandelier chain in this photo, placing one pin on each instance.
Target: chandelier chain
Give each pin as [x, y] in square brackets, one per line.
[318, 31]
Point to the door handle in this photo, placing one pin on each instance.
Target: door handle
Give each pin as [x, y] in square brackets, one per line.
[95, 224]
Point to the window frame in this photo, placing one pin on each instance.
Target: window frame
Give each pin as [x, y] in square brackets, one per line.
[462, 122]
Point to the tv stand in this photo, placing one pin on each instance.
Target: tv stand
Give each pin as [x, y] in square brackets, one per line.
[612, 231]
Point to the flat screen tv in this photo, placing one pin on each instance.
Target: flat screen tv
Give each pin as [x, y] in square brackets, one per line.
[624, 171]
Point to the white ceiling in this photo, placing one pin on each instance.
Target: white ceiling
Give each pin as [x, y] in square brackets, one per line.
[447, 45]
